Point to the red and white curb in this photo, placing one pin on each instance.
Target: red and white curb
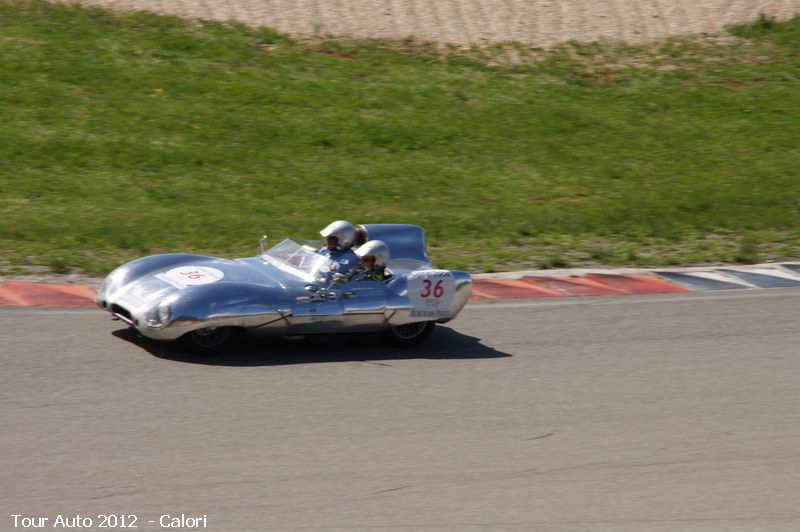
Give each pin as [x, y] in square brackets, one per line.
[529, 284]
[565, 283]
[28, 294]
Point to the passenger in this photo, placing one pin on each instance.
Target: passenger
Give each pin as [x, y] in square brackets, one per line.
[339, 237]
[373, 258]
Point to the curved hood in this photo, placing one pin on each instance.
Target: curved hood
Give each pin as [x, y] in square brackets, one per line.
[138, 283]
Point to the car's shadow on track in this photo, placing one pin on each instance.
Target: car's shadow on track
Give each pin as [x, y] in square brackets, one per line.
[444, 344]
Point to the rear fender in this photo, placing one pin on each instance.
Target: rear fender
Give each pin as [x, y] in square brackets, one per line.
[400, 302]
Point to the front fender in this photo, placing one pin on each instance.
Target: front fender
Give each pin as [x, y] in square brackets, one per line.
[223, 305]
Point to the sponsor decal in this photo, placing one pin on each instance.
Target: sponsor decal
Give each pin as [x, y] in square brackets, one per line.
[433, 314]
[138, 296]
[130, 300]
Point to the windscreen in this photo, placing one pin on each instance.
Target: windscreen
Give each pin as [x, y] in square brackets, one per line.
[298, 260]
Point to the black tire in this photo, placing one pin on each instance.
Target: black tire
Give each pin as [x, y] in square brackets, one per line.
[209, 341]
[408, 335]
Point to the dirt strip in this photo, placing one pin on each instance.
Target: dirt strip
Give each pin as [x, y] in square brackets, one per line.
[540, 23]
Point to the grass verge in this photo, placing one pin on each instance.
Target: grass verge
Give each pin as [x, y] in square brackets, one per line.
[129, 134]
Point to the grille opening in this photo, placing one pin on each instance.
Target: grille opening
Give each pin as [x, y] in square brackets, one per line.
[122, 313]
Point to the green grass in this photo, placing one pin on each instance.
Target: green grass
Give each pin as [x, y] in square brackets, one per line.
[128, 134]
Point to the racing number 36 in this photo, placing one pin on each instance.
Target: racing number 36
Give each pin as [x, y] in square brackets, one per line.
[194, 274]
[432, 289]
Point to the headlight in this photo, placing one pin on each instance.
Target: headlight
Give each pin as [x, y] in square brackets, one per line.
[164, 312]
[160, 315]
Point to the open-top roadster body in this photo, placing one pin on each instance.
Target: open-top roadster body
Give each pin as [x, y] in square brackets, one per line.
[208, 301]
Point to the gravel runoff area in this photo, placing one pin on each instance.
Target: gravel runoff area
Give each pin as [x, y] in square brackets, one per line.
[538, 23]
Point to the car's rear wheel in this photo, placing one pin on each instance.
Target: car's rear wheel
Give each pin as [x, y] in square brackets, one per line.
[410, 334]
[209, 341]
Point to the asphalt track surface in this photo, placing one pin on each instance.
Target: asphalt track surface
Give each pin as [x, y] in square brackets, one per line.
[638, 413]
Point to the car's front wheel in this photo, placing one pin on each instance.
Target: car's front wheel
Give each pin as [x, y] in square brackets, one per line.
[209, 341]
[410, 334]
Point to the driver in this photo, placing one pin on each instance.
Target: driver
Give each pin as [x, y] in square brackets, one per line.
[373, 257]
[339, 238]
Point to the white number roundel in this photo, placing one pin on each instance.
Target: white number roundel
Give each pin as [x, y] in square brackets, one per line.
[191, 276]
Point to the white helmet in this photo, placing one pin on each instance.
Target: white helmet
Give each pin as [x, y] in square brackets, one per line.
[377, 249]
[343, 231]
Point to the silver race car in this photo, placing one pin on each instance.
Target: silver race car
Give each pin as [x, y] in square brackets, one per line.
[206, 302]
